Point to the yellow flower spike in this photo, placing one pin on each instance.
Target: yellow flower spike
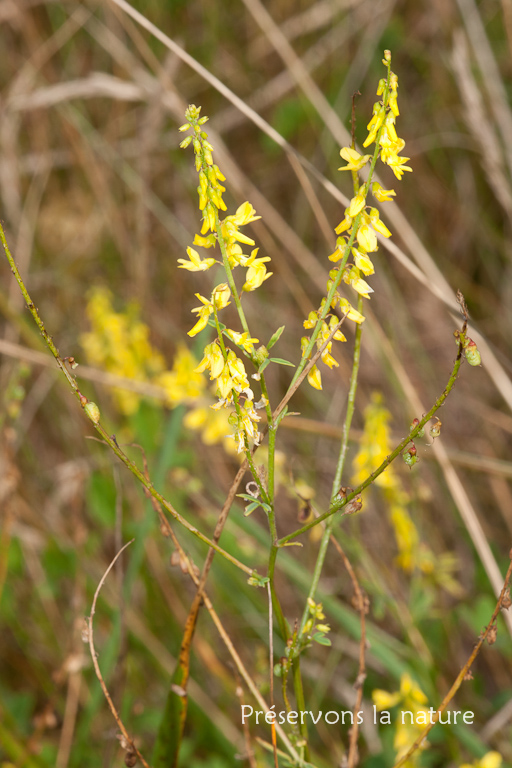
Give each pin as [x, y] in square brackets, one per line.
[354, 159]
[356, 205]
[315, 378]
[366, 238]
[382, 195]
[363, 262]
[195, 264]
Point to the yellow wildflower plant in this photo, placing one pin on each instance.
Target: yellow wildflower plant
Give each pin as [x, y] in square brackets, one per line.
[226, 369]
[361, 223]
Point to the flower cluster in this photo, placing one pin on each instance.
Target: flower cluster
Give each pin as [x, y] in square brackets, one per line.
[357, 232]
[316, 631]
[119, 343]
[226, 369]
[374, 447]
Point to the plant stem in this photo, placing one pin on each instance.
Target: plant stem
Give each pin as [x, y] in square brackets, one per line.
[338, 505]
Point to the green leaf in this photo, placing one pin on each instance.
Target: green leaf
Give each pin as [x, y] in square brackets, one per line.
[250, 508]
[280, 361]
[263, 365]
[321, 639]
[211, 321]
[275, 337]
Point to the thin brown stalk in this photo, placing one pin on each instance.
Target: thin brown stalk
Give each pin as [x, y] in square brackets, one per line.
[462, 674]
[90, 633]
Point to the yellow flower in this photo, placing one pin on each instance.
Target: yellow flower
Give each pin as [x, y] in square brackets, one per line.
[245, 214]
[384, 700]
[344, 225]
[352, 277]
[366, 238]
[354, 159]
[242, 340]
[377, 223]
[382, 195]
[195, 264]
[203, 313]
[489, 760]
[213, 360]
[257, 271]
[363, 262]
[348, 309]
[356, 205]
[315, 378]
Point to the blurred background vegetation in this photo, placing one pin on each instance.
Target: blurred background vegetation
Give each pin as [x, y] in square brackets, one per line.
[96, 194]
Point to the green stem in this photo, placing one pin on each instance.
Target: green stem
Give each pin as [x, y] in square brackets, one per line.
[326, 535]
[110, 440]
[339, 504]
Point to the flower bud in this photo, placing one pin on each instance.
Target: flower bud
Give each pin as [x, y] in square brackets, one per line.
[472, 354]
[93, 412]
[260, 355]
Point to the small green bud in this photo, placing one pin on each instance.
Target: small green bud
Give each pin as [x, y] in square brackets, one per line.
[472, 354]
[93, 412]
[387, 56]
[260, 355]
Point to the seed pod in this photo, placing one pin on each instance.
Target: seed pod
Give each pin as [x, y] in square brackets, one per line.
[93, 412]
[435, 429]
[414, 424]
[472, 354]
[409, 456]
